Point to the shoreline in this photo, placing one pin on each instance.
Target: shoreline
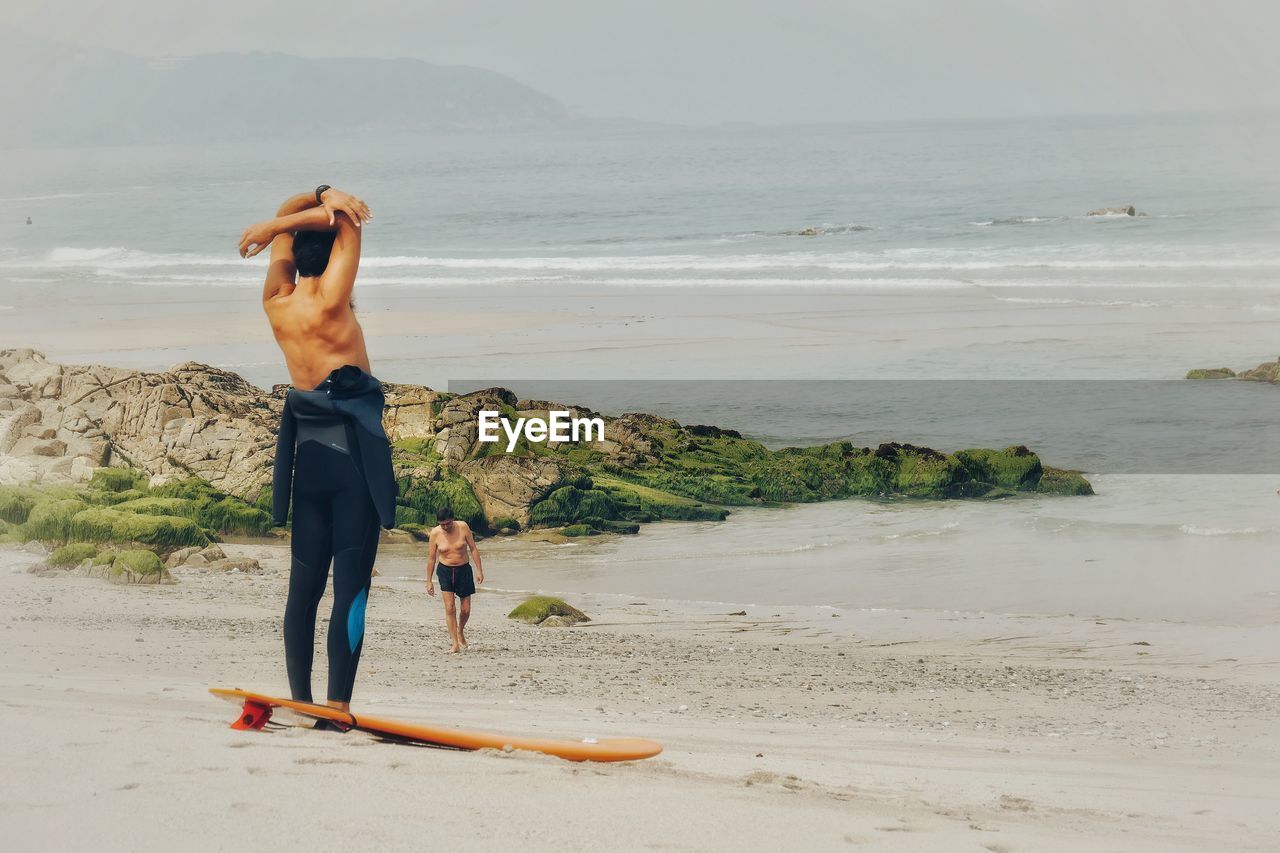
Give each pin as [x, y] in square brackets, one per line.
[959, 738]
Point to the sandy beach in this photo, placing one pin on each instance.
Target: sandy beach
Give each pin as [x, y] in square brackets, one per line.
[858, 729]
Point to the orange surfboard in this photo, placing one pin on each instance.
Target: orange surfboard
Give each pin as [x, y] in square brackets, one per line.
[257, 708]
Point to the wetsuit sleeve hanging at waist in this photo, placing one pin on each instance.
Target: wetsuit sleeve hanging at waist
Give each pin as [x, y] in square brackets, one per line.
[282, 475]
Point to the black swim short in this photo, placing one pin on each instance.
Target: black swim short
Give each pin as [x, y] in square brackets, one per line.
[456, 579]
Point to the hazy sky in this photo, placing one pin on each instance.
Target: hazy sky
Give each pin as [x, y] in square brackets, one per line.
[755, 60]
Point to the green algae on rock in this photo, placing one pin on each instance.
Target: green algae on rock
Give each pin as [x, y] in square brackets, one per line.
[138, 566]
[538, 608]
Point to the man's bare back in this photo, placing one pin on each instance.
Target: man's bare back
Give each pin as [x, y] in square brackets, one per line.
[314, 335]
[315, 254]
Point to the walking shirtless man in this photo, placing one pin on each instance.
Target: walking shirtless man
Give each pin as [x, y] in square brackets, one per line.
[450, 544]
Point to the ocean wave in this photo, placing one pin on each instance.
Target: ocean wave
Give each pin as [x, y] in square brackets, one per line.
[1020, 220]
[114, 261]
[812, 546]
[827, 230]
[945, 529]
[118, 258]
[1095, 303]
[1195, 530]
[48, 197]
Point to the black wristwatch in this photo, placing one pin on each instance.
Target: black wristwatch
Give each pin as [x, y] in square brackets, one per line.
[320, 191]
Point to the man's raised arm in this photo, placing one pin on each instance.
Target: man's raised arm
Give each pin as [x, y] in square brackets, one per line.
[301, 213]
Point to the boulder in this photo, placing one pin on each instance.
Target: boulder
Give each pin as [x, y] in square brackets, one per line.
[409, 412]
[507, 486]
[396, 536]
[178, 557]
[212, 552]
[73, 554]
[535, 610]
[235, 564]
[1123, 210]
[35, 547]
[49, 447]
[138, 566]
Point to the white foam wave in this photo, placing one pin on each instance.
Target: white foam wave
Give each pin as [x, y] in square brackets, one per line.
[1194, 530]
[1019, 220]
[786, 267]
[47, 197]
[812, 546]
[117, 258]
[1096, 303]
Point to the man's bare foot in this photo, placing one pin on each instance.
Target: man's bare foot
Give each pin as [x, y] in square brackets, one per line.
[453, 650]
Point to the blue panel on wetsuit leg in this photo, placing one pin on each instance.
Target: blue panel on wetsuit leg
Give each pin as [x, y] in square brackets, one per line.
[355, 619]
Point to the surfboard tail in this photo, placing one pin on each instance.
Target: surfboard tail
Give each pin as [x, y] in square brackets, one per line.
[253, 716]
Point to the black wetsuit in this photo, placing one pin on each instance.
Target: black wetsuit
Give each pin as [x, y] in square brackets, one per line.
[337, 470]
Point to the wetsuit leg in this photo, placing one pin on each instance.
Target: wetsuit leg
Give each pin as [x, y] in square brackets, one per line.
[311, 551]
[355, 546]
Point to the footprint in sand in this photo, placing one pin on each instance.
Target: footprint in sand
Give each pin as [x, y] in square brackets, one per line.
[1015, 804]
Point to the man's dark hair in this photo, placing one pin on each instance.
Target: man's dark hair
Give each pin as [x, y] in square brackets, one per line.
[311, 251]
[444, 514]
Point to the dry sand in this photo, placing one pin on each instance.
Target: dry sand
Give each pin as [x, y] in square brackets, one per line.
[870, 731]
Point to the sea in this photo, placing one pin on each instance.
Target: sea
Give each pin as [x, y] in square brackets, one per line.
[770, 264]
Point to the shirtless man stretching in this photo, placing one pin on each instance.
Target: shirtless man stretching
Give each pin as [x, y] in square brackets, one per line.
[451, 540]
[332, 454]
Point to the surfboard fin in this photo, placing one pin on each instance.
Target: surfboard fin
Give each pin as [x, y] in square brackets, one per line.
[253, 717]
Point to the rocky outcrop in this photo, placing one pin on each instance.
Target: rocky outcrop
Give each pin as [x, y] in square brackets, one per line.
[508, 486]
[1268, 371]
[1123, 210]
[1211, 373]
[128, 566]
[410, 410]
[59, 423]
